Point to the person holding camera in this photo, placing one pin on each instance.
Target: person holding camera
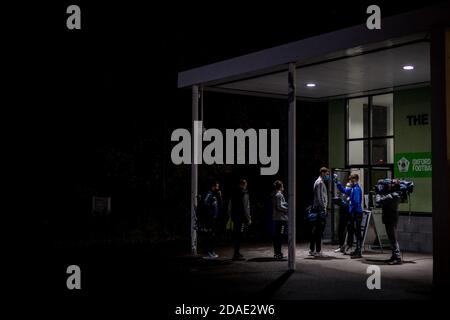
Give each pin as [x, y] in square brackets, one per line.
[389, 198]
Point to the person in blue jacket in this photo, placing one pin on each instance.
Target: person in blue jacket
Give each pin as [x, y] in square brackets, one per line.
[355, 210]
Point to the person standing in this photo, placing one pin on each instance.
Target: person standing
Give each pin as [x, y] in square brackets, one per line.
[320, 207]
[354, 192]
[213, 205]
[239, 211]
[343, 228]
[389, 202]
[279, 217]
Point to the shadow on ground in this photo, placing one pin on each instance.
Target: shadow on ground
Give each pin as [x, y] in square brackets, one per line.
[266, 259]
[382, 262]
[324, 258]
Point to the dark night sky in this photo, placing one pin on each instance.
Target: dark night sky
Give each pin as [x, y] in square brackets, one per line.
[106, 96]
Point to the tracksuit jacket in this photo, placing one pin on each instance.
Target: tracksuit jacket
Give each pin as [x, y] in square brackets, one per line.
[355, 197]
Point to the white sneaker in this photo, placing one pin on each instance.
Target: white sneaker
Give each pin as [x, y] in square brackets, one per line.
[211, 256]
[311, 253]
[339, 249]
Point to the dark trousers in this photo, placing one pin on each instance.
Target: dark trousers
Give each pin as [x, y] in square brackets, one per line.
[390, 223]
[391, 231]
[343, 227]
[355, 229]
[211, 236]
[317, 228]
[278, 233]
[237, 236]
[390, 220]
[210, 241]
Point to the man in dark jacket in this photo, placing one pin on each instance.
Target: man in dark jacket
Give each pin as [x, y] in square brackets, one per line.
[213, 205]
[389, 201]
[344, 222]
[239, 211]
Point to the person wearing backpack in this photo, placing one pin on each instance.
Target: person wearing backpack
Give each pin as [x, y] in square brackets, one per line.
[212, 207]
[239, 211]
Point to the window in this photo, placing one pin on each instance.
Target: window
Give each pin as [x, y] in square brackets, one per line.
[358, 110]
[382, 151]
[370, 136]
[358, 152]
[382, 119]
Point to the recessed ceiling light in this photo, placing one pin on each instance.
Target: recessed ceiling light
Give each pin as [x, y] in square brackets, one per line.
[310, 85]
[408, 67]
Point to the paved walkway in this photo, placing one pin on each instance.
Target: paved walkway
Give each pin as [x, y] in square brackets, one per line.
[334, 276]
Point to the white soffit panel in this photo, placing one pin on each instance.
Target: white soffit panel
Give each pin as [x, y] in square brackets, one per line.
[347, 76]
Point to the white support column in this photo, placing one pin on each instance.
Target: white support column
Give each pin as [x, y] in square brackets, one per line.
[194, 172]
[291, 165]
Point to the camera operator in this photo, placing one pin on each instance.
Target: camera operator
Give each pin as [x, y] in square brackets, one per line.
[389, 197]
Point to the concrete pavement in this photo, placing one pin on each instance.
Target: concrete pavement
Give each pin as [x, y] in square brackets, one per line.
[334, 276]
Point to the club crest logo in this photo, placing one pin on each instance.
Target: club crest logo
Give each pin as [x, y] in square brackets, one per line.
[403, 165]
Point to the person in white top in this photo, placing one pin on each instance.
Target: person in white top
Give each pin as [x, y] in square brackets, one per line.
[279, 217]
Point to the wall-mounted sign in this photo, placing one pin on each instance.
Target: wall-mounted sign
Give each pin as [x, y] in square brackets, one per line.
[418, 119]
[101, 205]
[413, 165]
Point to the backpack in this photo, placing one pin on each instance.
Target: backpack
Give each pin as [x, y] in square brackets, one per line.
[312, 213]
[202, 215]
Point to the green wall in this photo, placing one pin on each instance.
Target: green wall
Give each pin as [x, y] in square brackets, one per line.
[414, 138]
[408, 139]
